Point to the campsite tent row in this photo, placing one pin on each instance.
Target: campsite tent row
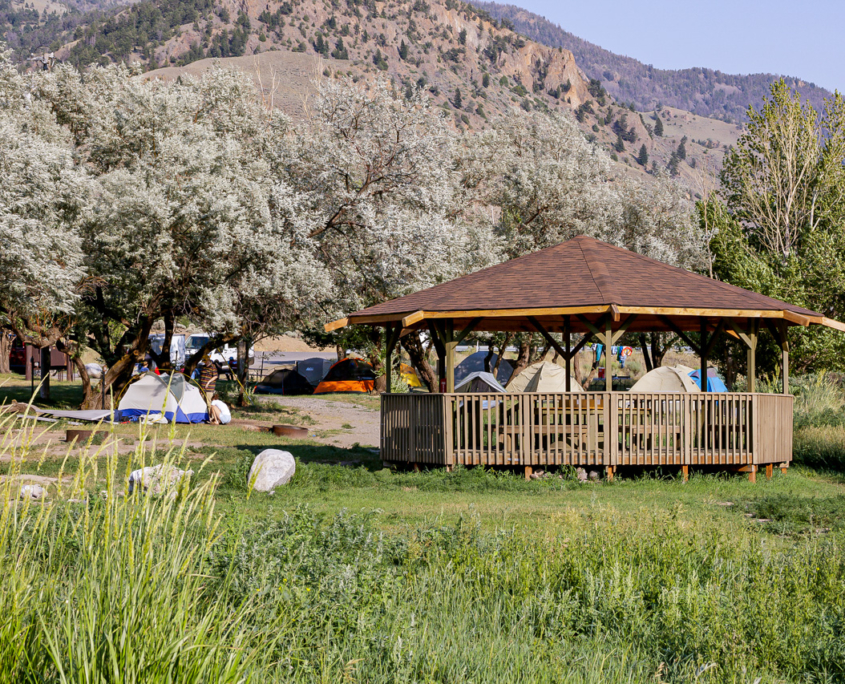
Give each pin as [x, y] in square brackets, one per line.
[348, 375]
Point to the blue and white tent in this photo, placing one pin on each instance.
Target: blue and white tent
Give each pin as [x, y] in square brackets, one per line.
[175, 398]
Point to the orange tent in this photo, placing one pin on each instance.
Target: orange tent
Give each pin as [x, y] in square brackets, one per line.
[348, 375]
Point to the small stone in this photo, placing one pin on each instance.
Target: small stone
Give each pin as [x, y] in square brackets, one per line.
[581, 474]
[32, 492]
[270, 469]
[594, 475]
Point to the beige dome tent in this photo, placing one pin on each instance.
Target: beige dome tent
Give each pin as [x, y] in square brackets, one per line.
[666, 379]
[543, 376]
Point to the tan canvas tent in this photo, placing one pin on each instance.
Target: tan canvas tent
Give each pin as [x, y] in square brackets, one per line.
[666, 379]
[543, 376]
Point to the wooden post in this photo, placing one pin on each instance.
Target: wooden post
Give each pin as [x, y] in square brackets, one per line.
[450, 345]
[769, 471]
[391, 337]
[568, 348]
[685, 472]
[783, 341]
[608, 473]
[751, 371]
[703, 347]
[608, 363]
[752, 475]
[528, 471]
[44, 392]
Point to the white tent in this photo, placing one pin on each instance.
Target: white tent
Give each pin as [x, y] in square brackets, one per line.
[480, 381]
[666, 379]
[474, 363]
[177, 399]
[543, 376]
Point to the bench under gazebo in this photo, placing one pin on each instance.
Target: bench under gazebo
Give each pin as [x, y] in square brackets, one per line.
[600, 291]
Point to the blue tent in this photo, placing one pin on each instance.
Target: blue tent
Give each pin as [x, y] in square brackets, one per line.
[714, 382]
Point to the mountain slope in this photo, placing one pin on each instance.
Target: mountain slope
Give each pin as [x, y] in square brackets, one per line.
[704, 92]
[472, 66]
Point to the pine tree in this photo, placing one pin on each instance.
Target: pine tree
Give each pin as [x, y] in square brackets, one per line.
[462, 37]
[642, 157]
[620, 144]
[340, 51]
[658, 127]
[485, 80]
[682, 148]
[457, 101]
[673, 164]
[403, 51]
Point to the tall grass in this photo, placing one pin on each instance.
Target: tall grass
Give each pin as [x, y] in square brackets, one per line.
[99, 586]
[104, 587]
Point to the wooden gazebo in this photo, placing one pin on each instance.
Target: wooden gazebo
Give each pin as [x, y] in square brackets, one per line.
[589, 287]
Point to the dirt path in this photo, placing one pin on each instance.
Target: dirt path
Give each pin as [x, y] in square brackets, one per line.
[330, 418]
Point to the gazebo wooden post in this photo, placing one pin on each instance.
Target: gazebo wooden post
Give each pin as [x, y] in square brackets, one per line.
[391, 338]
[778, 329]
[608, 363]
[753, 330]
[568, 347]
[450, 343]
[703, 354]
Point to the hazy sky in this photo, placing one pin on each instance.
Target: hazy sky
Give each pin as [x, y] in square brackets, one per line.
[802, 38]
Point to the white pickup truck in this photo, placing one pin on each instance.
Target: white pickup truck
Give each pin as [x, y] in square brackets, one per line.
[220, 356]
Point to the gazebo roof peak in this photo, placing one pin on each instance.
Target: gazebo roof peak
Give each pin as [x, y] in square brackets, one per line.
[580, 276]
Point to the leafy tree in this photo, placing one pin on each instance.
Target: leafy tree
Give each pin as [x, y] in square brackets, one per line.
[780, 231]
[642, 157]
[180, 222]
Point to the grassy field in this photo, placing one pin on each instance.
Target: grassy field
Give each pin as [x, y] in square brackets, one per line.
[354, 572]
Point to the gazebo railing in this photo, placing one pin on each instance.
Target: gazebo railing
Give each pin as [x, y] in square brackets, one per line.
[585, 429]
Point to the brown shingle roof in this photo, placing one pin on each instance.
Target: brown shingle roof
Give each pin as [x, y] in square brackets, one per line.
[581, 272]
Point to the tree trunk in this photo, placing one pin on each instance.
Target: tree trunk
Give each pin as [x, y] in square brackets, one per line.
[488, 359]
[501, 355]
[522, 359]
[112, 383]
[419, 360]
[87, 392]
[44, 389]
[243, 370]
[658, 349]
[162, 360]
[339, 351]
[649, 366]
[6, 340]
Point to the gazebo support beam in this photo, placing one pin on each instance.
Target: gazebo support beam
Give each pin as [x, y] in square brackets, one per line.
[778, 329]
[392, 337]
[749, 337]
[445, 343]
[568, 354]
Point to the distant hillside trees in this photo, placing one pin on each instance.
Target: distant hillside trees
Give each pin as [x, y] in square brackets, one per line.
[642, 157]
[658, 126]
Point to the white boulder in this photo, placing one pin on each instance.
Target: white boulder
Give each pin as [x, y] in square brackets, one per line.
[32, 491]
[158, 479]
[270, 469]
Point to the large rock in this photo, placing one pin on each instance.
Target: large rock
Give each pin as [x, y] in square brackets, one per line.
[32, 491]
[270, 469]
[158, 479]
